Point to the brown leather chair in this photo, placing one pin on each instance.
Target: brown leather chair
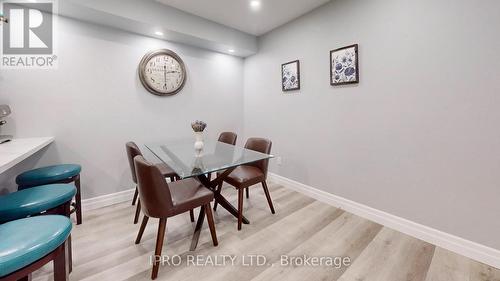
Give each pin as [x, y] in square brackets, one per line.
[163, 200]
[132, 151]
[228, 137]
[247, 175]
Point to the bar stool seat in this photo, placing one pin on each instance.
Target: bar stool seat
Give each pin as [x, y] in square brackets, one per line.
[46, 175]
[28, 240]
[34, 200]
[63, 173]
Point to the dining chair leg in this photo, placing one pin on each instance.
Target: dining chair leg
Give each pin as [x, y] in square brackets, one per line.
[240, 207]
[141, 229]
[218, 190]
[60, 267]
[78, 200]
[137, 211]
[136, 194]
[211, 224]
[159, 245]
[248, 195]
[191, 214]
[268, 196]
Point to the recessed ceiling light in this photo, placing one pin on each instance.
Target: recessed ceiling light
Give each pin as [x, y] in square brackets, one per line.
[255, 4]
[231, 50]
[159, 33]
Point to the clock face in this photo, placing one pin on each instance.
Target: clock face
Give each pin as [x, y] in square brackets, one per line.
[162, 72]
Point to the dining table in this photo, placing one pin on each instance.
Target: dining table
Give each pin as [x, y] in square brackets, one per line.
[216, 158]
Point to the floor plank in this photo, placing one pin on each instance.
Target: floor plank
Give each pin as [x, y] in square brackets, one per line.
[448, 266]
[346, 236]
[392, 256]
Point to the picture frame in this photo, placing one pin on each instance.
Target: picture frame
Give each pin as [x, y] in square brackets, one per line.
[344, 65]
[290, 76]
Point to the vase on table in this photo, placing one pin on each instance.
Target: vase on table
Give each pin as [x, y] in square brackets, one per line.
[198, 144]
[198, 128]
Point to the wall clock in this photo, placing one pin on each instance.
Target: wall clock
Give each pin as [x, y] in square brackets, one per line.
[162, 72]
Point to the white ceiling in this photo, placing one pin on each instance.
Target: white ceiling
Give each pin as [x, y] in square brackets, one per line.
[154, 19]
[239, 15]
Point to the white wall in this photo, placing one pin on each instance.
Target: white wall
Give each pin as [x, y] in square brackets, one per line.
[418, 137]
[94, 103]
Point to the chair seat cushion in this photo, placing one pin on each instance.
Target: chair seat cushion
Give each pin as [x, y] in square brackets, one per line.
[34, 200]
[27, 240]
[189, 194]
[165, 170]
[46, 175]
[244, 176]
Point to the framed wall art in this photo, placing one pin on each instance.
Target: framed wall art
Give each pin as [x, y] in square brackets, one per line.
[344, 65]
[290, 76]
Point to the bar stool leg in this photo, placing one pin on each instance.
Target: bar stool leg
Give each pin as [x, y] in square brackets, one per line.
[68, 256]
[61, 270]
[78, 199]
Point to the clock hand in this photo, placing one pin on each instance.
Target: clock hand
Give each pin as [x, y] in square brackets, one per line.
[165, 75]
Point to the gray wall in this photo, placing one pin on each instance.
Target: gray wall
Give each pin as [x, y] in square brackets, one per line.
[94, 103]
[419, 137]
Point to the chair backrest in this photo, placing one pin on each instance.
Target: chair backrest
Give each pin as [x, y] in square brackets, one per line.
[260, 145]
[156, 200]
[228, 137]
[132, 151]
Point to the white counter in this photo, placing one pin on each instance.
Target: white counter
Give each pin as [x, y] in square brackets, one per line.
[17, 150]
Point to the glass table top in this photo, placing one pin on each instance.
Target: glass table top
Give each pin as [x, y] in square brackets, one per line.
[182, 157]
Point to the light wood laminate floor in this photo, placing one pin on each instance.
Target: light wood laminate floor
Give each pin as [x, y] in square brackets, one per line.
[104, 249]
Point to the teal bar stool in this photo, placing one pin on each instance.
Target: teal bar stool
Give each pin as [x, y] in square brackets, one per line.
[64, 173]
[28, 244]
[51, 199]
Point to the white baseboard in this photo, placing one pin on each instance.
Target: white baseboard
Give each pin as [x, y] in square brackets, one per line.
[441, 239]
[107, 200]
